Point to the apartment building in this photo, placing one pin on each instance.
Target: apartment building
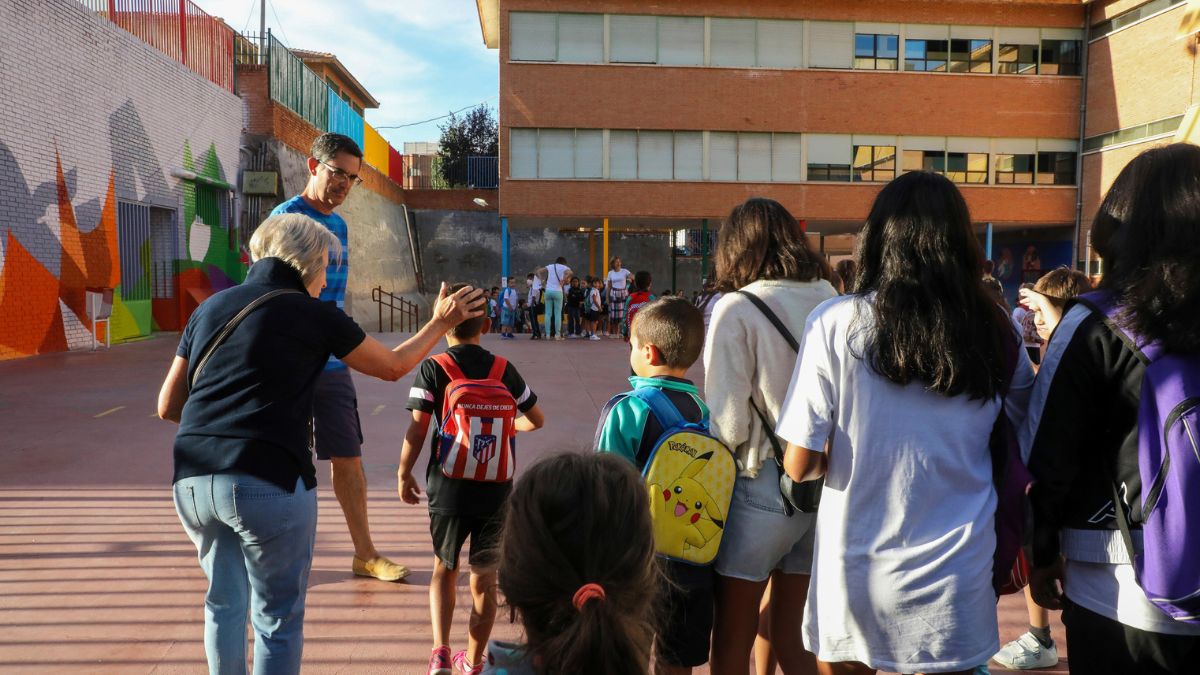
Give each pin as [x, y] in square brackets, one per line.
[665, 115]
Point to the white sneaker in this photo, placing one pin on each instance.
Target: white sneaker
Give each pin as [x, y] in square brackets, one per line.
[595, 338]
[1026, 653]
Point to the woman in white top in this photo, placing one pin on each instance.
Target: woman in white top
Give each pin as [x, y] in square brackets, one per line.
[557, 275]
[747, 368]
[903, 378]
[616, 289]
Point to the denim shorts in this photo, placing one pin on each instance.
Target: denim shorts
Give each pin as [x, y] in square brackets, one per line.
[759, 537]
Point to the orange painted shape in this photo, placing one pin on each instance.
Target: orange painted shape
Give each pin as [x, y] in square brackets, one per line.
[28, 293]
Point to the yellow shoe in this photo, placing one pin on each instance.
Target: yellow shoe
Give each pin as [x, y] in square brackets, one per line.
[380, 568]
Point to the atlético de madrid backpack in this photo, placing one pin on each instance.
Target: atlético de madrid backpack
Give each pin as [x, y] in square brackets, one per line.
[478, 439]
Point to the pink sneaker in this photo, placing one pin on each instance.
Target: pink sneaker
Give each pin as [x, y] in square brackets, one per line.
[461, 667]
[439, 662]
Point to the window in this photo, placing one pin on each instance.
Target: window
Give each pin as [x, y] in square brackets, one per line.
[1056, 168]
[589, 153]
[1060, 57]
[731, 42]
[581, 38]
[632, 39]
[829, 157]
[967, 167]
[754, 157]
[622, 155]
[785, 157]
[876, 51]
[722, 155]
[925, 55]
[874, 163]
[681, 40]
[556, 153]
[689, 155]
[522, 153]
[1017, 59]
[533, 36]
[779, 44]
[1014, 169]
[924, 160]
[655, 155]
[970, 56]
[133, 244]
[831, 44]
[1132, 16]
[1163, 126]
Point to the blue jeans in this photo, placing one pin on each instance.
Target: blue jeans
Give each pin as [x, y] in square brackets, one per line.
[554, 313]
[255, 544]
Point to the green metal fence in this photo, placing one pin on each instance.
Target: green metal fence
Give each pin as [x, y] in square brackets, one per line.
[296, 86]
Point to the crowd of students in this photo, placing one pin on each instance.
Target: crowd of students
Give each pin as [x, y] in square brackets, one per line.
[859, 406]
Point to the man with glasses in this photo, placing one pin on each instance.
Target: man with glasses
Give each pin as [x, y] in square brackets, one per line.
[333, 170]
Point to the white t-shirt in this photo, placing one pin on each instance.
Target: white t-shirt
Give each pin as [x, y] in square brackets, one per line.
[619, 279]
[594, 300]
[555, 275]
[902, 565]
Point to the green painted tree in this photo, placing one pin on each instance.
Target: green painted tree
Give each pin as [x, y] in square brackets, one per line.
[474, 134]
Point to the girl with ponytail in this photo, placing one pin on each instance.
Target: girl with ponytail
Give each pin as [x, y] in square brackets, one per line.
[577, 569]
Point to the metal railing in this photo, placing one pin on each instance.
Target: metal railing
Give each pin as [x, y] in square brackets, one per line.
[431, 172]
[483, 172]
[179, 29]
[409, 315]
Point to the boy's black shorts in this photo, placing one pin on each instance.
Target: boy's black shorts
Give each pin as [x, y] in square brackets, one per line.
[685, 614]
[451, 531]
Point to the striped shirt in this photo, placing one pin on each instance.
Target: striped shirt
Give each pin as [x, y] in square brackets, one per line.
[338, 271]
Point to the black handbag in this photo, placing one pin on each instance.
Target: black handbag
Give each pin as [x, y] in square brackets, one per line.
[803, 497]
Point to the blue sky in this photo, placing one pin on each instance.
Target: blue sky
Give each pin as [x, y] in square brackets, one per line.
[419, 58]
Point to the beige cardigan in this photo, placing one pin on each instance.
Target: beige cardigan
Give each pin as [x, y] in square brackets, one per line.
[745, 358]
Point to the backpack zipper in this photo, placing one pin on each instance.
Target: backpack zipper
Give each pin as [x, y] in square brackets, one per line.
[1186, 405]
[1151, 499]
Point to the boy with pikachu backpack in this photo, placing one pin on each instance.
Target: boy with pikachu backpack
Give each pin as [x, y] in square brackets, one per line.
[661, 426]
[480, 402]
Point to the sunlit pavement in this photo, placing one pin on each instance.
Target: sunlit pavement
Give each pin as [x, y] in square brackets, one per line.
[97, 576]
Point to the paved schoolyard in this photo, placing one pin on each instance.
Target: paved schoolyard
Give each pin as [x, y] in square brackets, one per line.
[96, 575]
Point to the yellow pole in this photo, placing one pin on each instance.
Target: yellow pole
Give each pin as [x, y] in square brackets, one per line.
[592, 253]
[605, 259]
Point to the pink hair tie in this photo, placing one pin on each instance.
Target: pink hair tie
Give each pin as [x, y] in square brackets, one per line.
[587, 592]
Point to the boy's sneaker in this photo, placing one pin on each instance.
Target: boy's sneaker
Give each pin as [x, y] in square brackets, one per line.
[440, 663]
[1026, 653]
[594, 338]
[461, 667]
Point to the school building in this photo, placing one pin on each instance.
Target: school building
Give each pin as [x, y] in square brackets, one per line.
[621, 116]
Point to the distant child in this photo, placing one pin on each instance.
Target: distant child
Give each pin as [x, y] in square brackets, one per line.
[494, 308]
[637, 299]
[508, 309]
[522, 319]
[464, 507]
[593, 309]
[575, 297]
[585, 597]
[667, 338]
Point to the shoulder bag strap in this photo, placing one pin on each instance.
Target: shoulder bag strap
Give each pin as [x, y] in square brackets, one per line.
[773, 318]
[224, 333]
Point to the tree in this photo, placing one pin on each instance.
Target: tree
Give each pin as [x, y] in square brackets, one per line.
[474, 134]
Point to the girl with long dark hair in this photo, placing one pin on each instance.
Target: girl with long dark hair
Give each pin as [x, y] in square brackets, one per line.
[903, 379]
[1082, 432]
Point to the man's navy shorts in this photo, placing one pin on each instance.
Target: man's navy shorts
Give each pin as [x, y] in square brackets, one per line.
[336, 427]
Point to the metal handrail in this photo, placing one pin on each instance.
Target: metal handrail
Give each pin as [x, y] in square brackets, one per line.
[410, 316]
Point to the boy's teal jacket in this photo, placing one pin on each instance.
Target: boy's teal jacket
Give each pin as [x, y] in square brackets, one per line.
[621, 430]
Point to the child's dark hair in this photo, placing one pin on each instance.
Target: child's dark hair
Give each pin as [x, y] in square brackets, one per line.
[642, 281]
[576, 520]
[675, 326]
[469, 328]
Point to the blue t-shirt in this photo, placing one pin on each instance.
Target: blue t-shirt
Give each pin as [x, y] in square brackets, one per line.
[338, 270]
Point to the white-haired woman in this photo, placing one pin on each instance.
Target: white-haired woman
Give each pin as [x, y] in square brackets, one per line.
[241, 389]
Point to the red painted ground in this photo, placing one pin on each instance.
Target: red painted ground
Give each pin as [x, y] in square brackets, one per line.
[96, 575]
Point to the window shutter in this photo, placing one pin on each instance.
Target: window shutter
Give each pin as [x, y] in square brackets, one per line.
[722, 155]
[580, 38]
[622, 155]
[556, 150]
[532, 36]
[754, 157]
[681, 40]
[732, 42]
[522, 153]
[1057, 145]
[689, 155]
[785, 157]
[829, 149]
[632, 39]
[831, 45]
[655, 155]
[780, 44]
[589, 157]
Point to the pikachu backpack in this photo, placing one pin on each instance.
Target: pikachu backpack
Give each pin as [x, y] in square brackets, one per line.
[690, 476]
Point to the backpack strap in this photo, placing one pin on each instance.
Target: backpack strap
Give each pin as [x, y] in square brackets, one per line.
[612, 403]
[662, 408]
[773, 318]
[499, 365]
[449, 365]
[1104, 304]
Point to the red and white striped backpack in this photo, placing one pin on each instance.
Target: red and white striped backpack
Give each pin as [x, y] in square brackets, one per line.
[478, 439]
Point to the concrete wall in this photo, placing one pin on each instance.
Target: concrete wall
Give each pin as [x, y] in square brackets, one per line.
[465, 246]
[91, 116]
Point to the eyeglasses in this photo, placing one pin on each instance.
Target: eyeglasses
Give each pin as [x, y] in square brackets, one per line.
[352, 178]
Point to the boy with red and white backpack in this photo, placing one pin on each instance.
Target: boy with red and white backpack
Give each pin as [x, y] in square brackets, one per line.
[479, 402]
